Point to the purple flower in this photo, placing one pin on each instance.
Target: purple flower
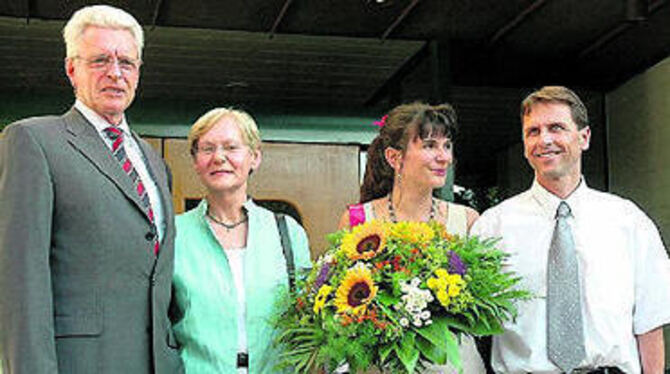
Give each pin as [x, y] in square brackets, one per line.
[456, 265]
[323, 275]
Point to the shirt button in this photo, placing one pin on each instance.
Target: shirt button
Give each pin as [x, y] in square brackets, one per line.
[149, 236]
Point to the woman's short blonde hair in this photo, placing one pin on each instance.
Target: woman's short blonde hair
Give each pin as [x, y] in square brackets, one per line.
[103, 16]
[244, 121]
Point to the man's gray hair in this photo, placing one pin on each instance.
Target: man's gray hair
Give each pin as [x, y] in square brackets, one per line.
[104, 16]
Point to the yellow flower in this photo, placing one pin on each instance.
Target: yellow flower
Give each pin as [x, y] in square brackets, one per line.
[446, 286]
[413, 232]
[440, 230]
[356, 291]
[443, 297]
[365, 241]
[320, 299]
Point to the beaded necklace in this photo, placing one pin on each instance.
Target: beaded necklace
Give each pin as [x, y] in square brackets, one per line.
[228, 226]
[392, 210]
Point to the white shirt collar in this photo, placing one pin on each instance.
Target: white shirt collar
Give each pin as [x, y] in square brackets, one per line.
[97, 120]
[549, 202]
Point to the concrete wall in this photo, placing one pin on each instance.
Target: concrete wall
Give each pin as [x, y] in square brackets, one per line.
[639, 135]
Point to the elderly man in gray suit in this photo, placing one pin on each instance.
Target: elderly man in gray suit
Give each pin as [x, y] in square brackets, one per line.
[86, 230]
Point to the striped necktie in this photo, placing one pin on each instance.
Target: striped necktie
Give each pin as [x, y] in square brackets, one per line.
[115, 138]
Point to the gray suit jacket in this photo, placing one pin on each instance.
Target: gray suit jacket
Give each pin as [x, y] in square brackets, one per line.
[80, 288]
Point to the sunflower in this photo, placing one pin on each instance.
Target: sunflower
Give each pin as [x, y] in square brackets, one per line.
[365, 241]
[413, 232]
[356, 291]
[320, 299]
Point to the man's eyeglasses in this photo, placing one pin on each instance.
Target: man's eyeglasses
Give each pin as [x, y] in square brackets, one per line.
[104, 62]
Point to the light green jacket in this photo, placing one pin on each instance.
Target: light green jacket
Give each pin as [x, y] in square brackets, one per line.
[206, 296]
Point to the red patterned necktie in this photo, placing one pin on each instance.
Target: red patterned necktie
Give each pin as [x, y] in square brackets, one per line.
[115, 137]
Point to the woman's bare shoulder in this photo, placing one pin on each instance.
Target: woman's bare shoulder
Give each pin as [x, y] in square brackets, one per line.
[471, 214]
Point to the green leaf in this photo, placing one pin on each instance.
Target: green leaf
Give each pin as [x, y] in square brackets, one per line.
[479, 329]
[439, 334]
[434, 353]
[436, 331]
[407, 352]
[385, 350]
[386, 299]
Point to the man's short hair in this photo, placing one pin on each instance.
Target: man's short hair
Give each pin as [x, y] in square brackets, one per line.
[558, 94]
[243, 120]
[104, 16]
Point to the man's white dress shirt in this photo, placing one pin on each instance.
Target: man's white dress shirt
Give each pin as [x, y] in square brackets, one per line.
[136, 158]
[624, 276]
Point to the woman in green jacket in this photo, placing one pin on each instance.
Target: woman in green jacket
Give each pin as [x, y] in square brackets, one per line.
[230, 265]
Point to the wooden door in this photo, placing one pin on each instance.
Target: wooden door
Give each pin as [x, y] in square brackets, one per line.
[318, 180]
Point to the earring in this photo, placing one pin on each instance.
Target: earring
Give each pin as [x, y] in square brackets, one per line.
[398, 179]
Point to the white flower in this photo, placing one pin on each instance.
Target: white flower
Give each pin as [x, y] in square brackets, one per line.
[428, 322]
[404, 322]
[415, 301]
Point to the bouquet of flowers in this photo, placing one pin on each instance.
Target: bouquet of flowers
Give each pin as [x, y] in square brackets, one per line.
[395, 296]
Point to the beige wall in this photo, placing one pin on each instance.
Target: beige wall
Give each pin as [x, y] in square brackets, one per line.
[639, 147]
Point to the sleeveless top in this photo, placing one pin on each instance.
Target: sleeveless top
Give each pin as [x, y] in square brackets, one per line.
[456, 224]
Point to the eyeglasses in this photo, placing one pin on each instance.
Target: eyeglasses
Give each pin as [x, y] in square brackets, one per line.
[209, 149]
[104, 62]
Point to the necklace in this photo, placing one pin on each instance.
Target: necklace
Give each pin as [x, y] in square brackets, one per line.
[228, 226]
[392, 211]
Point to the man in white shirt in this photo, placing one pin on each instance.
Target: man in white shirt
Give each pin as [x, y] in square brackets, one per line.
[622, 280]
[87, 228]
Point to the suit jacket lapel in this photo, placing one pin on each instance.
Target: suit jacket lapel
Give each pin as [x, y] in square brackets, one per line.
[83, 136]
[158, 173]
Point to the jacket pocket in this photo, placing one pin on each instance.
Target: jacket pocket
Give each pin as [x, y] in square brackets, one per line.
[89, 325]
[78, 317]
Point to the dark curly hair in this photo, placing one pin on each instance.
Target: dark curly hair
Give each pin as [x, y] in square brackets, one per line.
[416, 120]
